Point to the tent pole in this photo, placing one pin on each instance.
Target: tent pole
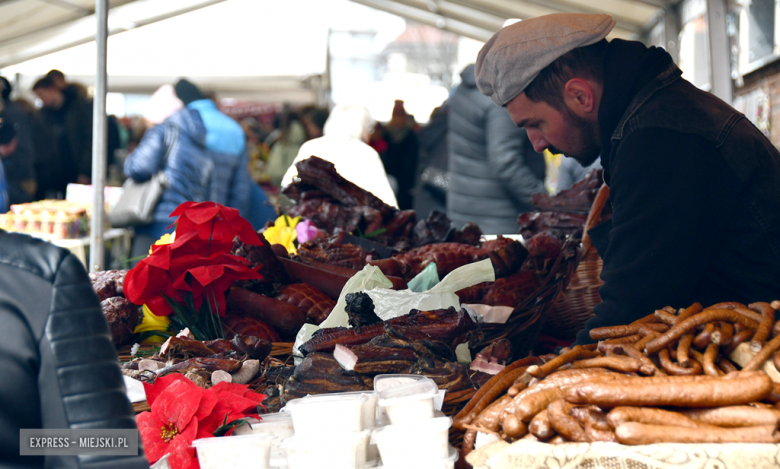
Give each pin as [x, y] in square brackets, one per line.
[99, 141]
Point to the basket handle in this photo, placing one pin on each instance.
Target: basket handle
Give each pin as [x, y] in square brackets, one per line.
[593, 216]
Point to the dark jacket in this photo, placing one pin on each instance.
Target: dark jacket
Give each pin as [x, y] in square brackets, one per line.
[19, 166]
[72, 127]
[430, 191]
[59, 368]
[695, 191]
[493, 167]
[189, 166]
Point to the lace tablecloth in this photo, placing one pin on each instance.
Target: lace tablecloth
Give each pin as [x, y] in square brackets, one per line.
[534, 455]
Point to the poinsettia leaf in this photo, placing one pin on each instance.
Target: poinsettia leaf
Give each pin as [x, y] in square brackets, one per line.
[223, 429]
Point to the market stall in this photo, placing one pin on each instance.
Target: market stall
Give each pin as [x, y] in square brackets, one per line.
[415, 341]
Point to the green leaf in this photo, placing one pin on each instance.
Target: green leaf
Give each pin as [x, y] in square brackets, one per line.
[145, 335]
[375, 233]
[226, 427]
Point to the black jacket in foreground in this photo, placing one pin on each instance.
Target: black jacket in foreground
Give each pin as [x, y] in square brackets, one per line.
[58, 367]
[695, 191]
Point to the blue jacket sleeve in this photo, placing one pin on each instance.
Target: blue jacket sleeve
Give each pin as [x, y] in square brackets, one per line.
[145, 160]
[240, 191]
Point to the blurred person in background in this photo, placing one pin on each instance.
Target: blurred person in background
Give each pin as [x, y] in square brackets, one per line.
[189, 165]
[231, 185]
[292, 134]
[314, 119]
[69, 118]
[430, 191]
[18, 153]
[344, 144]
[58, 79]
[493, 167]
[400, 158]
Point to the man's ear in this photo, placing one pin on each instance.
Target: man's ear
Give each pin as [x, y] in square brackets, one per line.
[580, 97]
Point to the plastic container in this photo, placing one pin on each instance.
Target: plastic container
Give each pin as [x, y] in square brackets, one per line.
[406, 444]
[279, 425]
[409, 402]
[331, 413]
[368, 411]
[382, 382]
[328, 450]
[234, 452]
[446, 463]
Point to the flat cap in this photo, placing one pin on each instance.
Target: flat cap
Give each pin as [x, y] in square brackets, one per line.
[515, 55]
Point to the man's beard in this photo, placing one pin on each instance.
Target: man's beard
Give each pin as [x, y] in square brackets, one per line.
[585, 145]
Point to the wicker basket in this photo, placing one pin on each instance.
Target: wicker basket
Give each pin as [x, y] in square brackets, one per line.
[574, 305]
[526, 322]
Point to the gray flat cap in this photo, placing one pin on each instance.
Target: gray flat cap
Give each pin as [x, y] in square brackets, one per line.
[515, 55]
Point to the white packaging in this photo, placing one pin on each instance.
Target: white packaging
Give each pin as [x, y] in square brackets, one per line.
[337, 412]
[368, 411]
[410, 443]
[237, 452]
[327, 450]
[446, 463]
[280, 425]
[409, 402]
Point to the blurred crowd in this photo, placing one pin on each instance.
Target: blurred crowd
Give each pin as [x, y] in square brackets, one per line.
[469, 161]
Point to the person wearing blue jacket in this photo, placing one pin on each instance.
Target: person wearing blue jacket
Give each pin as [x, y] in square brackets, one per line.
[178, 147]
[225, 139]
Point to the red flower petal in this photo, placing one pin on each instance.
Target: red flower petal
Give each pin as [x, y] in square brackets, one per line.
[177, 404]
[149, 427]
[207, 403]
[161, 383]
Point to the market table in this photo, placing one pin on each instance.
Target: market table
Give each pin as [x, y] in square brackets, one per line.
[116, 240]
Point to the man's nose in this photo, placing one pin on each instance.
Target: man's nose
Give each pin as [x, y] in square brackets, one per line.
[538, 142]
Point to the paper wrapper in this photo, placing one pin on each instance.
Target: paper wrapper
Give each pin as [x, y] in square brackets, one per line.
[389, 304]
[534, 455]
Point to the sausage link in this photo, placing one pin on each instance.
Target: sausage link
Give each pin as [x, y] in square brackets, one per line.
[735, 416]
[696, 320]
[530, 437]
[622, 364]
[613, 332]
[665, 317]
[468, 442]
[488, 418]
[727, 305]
[514, 427]
[708, 361]
[776, 329]
[739, 337]
[648, 367]
[563, 423]
[557, 440]
[535, 403]
[489, 391]
[632, 433]
[649, 415]
[521, 383]
[640, 344]
[683, 348]
[540, 426]
[677, 391]
[594, 421]
[763, 355]
[647, 319]
[765, 327]
[695, 308]
[645, 329]
[703, 338]
[749, 313]
[673, 369]
[726, 365]
[724, 334]
[577, 353]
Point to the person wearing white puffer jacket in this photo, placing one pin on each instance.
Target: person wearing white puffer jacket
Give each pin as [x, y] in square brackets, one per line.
[343, 143]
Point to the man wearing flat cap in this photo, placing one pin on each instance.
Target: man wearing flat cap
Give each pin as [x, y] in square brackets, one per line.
[695, 187]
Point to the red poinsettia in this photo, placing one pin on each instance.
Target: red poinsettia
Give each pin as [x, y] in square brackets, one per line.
[183, 412]
[189, 278]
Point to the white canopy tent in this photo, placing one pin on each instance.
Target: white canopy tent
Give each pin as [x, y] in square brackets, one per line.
[30, 29]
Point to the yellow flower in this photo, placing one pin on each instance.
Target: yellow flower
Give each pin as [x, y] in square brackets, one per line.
[152, 322]
[167, 238]
[283, 232]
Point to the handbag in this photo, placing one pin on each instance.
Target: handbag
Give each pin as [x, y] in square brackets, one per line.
[139, 199]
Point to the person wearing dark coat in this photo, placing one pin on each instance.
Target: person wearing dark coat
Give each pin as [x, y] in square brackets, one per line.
[400, 157]
[18, 165]
[494, 169]
[58, 365]
[694, 185]
[430, 192]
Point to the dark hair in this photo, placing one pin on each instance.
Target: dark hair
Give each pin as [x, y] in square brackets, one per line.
[55, 75]
[44, 82]
[583, 62]
[5, 88]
